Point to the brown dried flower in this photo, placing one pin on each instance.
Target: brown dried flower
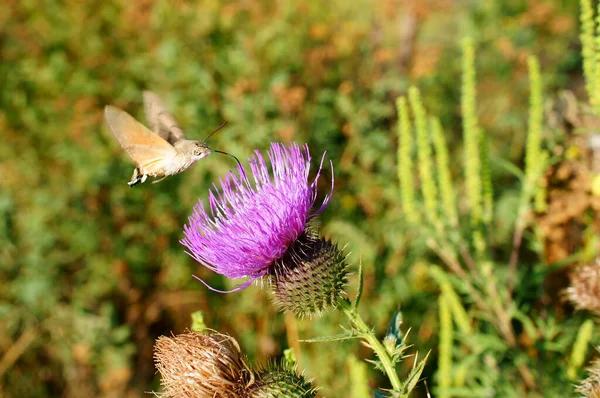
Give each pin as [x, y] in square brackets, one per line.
[590, 387]
[198, 365]
[584, 291]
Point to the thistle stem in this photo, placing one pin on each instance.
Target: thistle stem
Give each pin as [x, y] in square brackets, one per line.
[366, 333]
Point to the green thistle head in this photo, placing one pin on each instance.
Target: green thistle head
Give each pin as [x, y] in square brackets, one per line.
[278, 380]
[310, 277]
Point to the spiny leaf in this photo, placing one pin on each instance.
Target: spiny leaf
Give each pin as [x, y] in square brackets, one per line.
[415, 373]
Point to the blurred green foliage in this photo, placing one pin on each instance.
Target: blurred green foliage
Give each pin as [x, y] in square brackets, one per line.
[91, 271]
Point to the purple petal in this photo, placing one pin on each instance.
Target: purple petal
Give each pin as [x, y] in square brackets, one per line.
[251, 221]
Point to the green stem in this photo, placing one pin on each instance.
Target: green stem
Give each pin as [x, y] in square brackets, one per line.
[369, 336]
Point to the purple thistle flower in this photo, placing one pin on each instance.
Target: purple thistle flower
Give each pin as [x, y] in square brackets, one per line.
[254, 220]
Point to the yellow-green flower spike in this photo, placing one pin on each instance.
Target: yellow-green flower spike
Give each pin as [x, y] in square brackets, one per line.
[405, 162]
[445, 349]
[534, 131]
[486, 180]
[588, 52]
[428, 186]
[447, 192]
[596, 77]
[471, 132]
[580, 348]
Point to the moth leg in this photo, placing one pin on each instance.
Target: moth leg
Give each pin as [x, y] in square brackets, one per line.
[136, 178]
[155, 181]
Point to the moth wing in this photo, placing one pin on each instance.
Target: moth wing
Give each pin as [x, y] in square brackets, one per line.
[151, 160]
[153, 107]
[160, 120]
[146, 149]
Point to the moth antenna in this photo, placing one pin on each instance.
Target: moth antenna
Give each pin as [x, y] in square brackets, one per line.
[217, 151]
[217, 129]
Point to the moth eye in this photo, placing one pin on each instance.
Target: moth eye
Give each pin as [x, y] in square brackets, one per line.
[197, 152]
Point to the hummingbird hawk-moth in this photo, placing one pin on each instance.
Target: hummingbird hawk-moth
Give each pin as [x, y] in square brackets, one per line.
[162, 152]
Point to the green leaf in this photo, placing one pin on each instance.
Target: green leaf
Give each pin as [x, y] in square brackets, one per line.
[359, 288]
[335, 337]
[508, 166]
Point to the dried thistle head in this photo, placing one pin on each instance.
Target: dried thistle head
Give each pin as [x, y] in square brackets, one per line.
[590, 387]
[198, 365]
[584, 290]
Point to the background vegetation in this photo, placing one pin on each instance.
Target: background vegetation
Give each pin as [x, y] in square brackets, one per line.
[92, 272]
